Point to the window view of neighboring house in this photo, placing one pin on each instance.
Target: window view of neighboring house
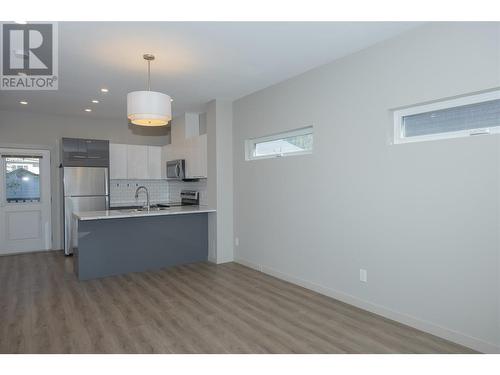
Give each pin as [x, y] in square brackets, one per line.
[22, 179]
[295, 142]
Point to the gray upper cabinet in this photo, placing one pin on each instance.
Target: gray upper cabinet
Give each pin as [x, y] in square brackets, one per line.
[98, 150]
[79, 152]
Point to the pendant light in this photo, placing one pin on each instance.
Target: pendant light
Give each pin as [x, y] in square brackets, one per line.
[149, 108]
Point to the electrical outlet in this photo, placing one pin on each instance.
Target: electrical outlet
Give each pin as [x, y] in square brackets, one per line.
[236, 241]
[363, 275]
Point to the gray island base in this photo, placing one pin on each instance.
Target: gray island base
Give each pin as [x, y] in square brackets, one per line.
[135, 244]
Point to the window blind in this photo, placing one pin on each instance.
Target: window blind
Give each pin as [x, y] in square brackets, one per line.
[467, 117]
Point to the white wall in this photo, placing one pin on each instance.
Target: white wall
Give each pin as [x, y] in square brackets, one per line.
[422, 218]
[220, 179]
[24, 128]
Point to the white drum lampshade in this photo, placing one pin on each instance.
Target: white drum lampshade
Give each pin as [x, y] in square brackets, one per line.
[149, 108]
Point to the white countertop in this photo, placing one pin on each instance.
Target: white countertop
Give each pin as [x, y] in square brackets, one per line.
[126, 213]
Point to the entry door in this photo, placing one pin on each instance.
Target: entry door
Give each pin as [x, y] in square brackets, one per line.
[25, 213]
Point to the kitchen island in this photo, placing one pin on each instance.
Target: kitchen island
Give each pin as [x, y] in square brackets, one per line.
[114, 242]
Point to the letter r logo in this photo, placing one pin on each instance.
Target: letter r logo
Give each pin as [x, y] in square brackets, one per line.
[27, 49]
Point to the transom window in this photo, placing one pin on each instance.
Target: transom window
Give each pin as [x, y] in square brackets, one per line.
[294, 142]
[477, 114]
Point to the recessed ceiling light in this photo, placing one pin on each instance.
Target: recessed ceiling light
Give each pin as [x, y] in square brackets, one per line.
[23, 102]
[95, 101]
[171, 100]
[88, 110]
[104, 89]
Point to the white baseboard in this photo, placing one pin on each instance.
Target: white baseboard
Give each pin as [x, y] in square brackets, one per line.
[29, 252]
[434, 329]
[214, 260]
[248, 264]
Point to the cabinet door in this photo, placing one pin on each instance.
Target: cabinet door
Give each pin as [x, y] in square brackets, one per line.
[154, 162]
[137, 162]
[196, 157]
[191, 125]
[117, 161]
[203, 157]
[178, 130]
[170, 152]
[74, 152]
[190, 157]
[97, 152]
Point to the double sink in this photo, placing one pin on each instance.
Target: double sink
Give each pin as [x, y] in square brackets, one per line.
[153, 208]
[142, 209]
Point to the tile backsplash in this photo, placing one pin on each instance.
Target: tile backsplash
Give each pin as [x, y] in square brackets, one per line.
[122, 192]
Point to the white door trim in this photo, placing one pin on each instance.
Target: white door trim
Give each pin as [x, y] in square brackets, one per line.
[45, 193]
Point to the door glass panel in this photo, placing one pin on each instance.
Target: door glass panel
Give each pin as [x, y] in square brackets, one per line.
[22, 179]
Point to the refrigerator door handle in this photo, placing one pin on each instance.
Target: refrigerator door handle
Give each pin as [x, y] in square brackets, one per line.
[106, 183]
[68, 227]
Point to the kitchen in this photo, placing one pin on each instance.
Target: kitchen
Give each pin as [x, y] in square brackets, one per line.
[103, 180]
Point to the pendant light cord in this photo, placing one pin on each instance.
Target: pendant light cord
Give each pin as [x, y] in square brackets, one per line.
[149, 75]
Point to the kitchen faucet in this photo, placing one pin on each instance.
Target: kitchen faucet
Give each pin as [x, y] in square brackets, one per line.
[147, 195]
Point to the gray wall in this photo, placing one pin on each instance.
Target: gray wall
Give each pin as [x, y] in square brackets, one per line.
[422, 218]
[24, 128]
[219, 125]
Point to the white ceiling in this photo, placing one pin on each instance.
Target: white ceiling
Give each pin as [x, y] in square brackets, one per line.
[195, 61]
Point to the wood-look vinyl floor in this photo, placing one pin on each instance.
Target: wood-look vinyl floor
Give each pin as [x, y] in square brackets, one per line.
[197, 308]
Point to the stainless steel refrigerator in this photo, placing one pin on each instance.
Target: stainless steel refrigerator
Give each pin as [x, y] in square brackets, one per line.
[85, 166]
[85, 189]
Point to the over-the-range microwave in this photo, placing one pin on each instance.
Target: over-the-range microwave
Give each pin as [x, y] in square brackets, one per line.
[176, 169]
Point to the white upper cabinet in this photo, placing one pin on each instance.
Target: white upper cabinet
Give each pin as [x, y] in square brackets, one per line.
[135, 162]
[171, 152]
[188, 151]
[154, 162]
[178, 130]
[203, 155]
[196, 160]
[191, 125]
[117, 161]
[187, 143]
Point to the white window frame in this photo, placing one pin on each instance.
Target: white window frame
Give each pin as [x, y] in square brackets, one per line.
[444, 104]
[250, 144]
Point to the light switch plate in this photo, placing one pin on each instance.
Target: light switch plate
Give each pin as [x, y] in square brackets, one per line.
[363, 275]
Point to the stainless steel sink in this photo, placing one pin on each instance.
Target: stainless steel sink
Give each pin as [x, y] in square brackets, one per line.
[158, 208]
[152, 209]
[130, 210]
